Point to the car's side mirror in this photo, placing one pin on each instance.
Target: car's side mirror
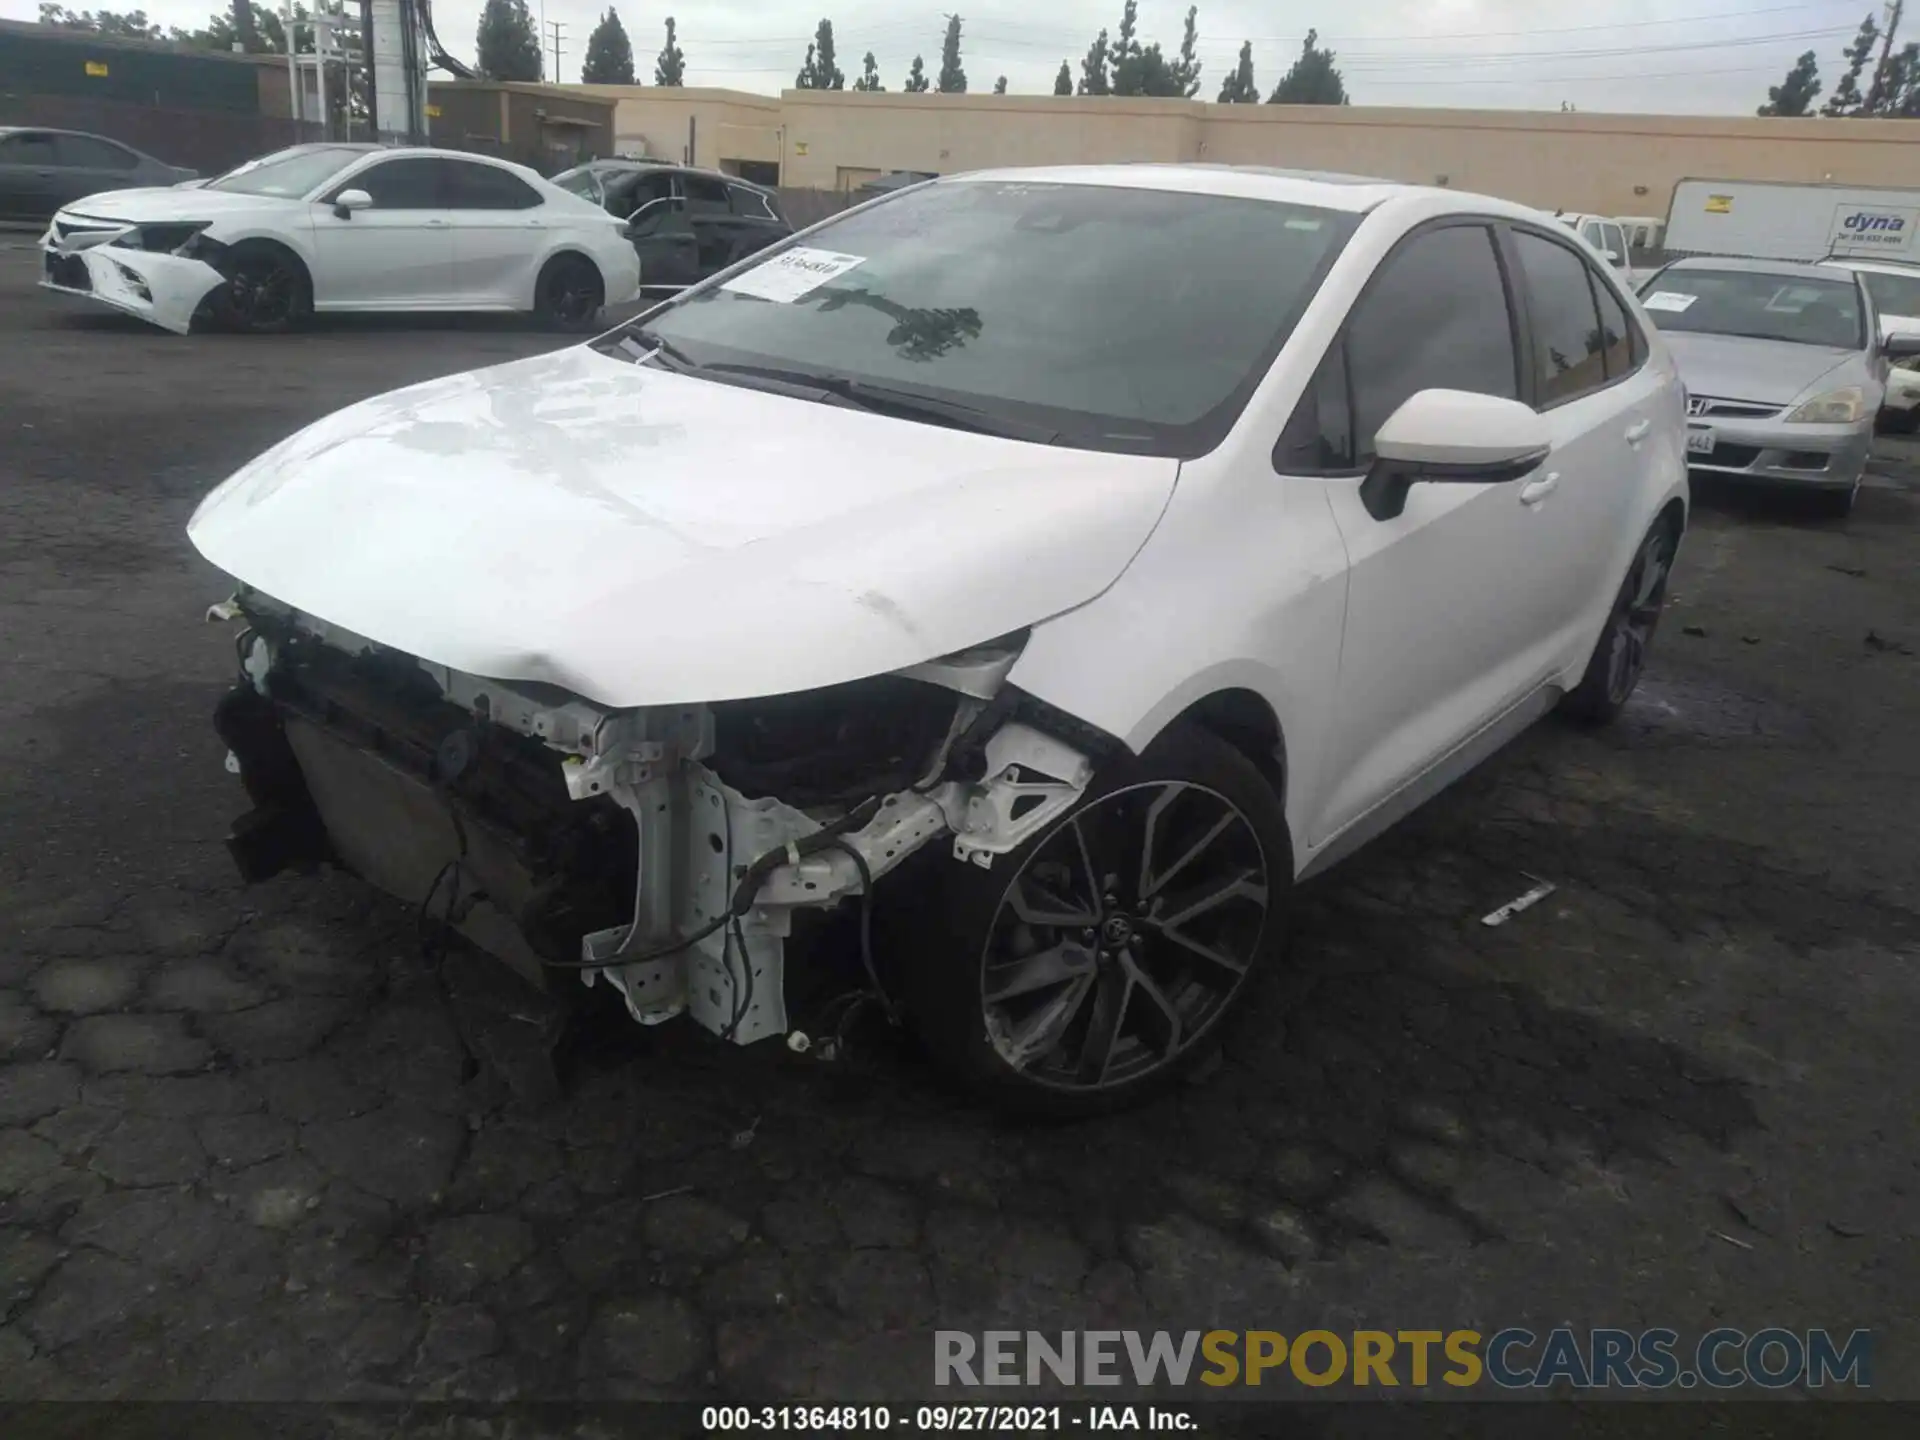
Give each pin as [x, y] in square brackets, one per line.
[1613, 256]
[1451, 436]
[1901, 345]
[348, 201]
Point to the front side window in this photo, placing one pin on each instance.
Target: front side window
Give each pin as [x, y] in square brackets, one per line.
[1893, 294]
[1616, 243]
[1758, 305]
[1590, 232]
[1435, 317]
[582, 182]
[704, 196]
[88, 152]
[1568, 346]
[417, 183]
[26, 148]
[290, 174]
[1118, 318]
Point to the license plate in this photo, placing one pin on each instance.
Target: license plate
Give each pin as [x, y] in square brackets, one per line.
[1700, 441]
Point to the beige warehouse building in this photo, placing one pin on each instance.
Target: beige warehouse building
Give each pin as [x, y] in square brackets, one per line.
[1611, 164]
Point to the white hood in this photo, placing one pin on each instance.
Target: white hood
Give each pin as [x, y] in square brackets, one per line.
[645, 538]
[156, 205]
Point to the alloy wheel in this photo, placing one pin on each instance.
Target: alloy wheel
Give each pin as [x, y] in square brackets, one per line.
[264, 293]
[572, 297]
[1123, 936]
[1639, 614]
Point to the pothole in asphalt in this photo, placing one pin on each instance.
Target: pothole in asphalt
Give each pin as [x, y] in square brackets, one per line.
[1682, 711]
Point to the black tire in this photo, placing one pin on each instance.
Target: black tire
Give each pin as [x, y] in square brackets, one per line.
[1899, 422]
[267, 291]
[1142, 971]
[1620, 655]
[569, 293]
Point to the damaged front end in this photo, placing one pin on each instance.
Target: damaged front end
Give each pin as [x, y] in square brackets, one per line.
[164, 274]
[663, 848]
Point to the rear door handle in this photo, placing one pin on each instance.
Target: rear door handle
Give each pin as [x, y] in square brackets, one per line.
[1534, 491]
[1639, 431]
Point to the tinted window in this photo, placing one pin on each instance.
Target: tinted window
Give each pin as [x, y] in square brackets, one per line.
[1567, 344]
[487, 187]
[1759, 305]
[753, 203]
[581, 183]
[85, 152]
[1623, 347]
[627, 193]
[1434, 317]
[1122, 319]
[26, 150]
[704, 196]
[1893, 294]
[412, 184]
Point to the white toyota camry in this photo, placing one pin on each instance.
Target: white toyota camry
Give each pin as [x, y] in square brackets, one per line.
[1068, 560]
[338, 227]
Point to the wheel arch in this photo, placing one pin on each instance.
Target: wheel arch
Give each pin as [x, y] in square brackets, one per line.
[567, 250]
[1246, 720]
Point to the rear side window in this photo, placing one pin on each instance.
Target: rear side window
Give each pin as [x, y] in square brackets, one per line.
[1568, 344]
[750, 203]
[88, 152]
[1434, 317]
[487, 187]
[1623, 347]
[704, 196]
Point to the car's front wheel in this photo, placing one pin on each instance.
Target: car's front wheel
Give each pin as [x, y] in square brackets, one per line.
[569, 294]
[1095, 964]
[267, 292]
[1620, 657]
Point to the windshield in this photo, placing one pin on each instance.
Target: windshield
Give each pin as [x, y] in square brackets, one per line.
[1758, 305]
[1116, 319]
[287, 173]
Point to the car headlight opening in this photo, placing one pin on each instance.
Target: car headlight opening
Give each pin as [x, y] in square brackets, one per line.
[1835, 407]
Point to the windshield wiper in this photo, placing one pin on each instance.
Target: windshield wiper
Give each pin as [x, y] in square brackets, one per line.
[645, 345]
[903, 404]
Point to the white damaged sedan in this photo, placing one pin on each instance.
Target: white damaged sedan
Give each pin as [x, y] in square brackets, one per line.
[344, 227]
[1059, 562]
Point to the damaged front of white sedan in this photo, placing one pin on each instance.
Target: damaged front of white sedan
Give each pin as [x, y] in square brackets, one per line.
[943, 554]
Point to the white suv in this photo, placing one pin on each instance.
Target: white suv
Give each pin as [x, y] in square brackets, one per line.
[1066, 561]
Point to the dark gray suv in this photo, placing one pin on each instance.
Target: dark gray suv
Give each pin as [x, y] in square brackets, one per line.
[686, 223]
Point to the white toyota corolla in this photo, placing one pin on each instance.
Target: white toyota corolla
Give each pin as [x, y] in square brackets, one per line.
[1079, 556]
[339, 227]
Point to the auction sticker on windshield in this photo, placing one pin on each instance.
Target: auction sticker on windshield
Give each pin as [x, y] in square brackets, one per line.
[1668, 300]
[792, 274]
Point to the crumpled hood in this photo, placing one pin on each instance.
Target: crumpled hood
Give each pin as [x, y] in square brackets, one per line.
[1767, 372]
[644, 538]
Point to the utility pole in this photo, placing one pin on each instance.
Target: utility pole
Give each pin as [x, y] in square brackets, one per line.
[1877, 92]
[556, 26]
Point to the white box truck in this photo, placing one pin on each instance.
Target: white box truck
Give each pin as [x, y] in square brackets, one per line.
[1773, 220]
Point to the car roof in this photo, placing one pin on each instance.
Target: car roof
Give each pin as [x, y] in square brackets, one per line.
[1785, 269]
[1325, 189]
[637, 166]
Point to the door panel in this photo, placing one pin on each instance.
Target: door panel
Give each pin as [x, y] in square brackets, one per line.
[29, 176]
[668, 248]
[499, 225]
[397, 252]
[1437, 643]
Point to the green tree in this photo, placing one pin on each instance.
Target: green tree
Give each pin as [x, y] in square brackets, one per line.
[1000, 86]
[1093, 68]
[869, 75]
[1795, 94]
[671, 66]
[130, 25]
[917, 82]
[1902, 99]
[820, 72]
[1846, 98]
[1123, 55]
[953, 79]
[1313, 80]
[505, 45]
[222, 32]
[609, 59]
[1186, 65]
[1239, 87]
[1063, 82]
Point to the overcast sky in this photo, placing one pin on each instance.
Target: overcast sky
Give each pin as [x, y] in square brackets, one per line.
[1679, 56]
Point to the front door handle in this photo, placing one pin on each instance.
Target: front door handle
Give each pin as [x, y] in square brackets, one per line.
[1534, 491]
[1639, 431]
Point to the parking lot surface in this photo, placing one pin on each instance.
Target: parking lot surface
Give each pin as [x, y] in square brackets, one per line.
[246, 1151]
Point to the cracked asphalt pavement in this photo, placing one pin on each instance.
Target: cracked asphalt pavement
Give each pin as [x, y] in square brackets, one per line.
[246, 1151]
